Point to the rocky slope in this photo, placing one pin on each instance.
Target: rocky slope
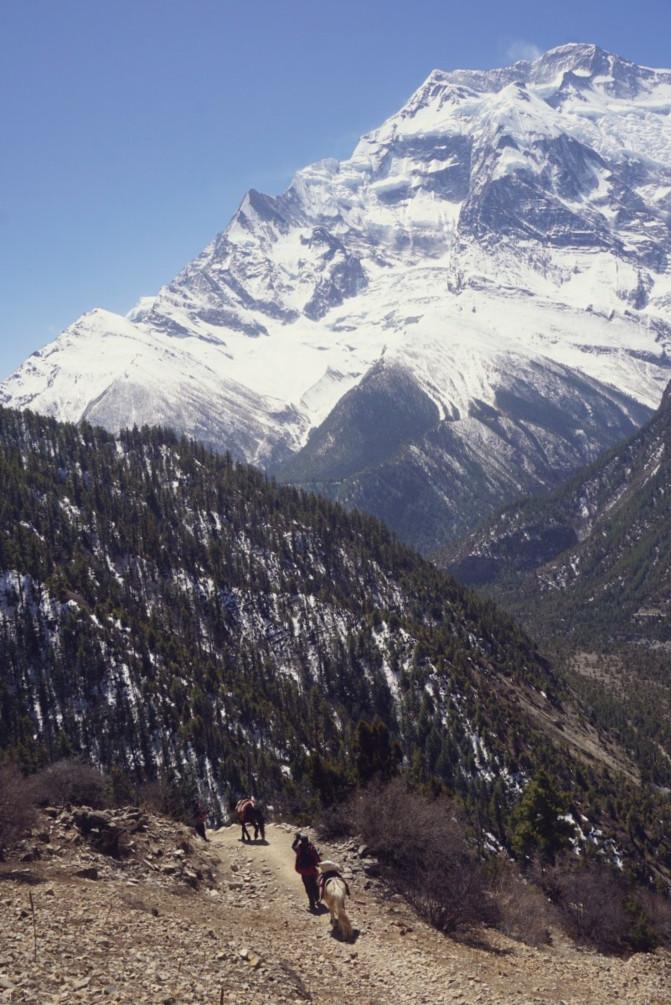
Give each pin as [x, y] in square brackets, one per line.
[132, 936]
[593, 559]
[474, 304]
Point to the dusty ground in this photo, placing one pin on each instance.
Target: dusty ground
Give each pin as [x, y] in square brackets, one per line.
[141, 933]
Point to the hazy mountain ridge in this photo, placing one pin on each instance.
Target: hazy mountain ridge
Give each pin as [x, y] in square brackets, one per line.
[593, 558]
[586, 570]
[502, 241]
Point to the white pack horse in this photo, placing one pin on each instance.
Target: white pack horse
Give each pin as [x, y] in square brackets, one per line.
[334, 891]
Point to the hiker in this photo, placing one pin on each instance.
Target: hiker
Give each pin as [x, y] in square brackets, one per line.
[200, 815]
[307, 859]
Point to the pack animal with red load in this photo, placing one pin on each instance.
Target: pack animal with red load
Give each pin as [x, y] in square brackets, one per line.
[248, 812]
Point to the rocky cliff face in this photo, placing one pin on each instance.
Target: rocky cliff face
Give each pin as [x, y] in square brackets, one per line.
[487, 276]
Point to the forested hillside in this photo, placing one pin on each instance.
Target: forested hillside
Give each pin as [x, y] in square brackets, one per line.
[587, 570]
[593, 559]
[168, 612]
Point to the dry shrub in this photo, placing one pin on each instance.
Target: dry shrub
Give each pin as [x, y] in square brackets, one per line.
[17, 807]
[593, 911]
[525, 913]
[72, 782]
[423, 852]
[336, 822]
[657, 908]
[169, 799]
[599, 908]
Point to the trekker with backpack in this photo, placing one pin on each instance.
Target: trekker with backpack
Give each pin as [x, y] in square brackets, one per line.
[307, 859]
[200, 812]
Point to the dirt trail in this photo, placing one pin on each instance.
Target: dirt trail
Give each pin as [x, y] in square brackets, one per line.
[275, 854]
[396, 958]
[181, 922]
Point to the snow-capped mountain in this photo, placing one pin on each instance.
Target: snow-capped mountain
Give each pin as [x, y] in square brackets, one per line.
[474, 304]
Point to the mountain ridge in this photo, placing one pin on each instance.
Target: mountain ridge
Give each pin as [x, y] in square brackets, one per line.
[503, 239]
[585, 569]
[213, 567]
[591, 559]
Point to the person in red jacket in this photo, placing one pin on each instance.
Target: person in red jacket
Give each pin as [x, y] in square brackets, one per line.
[307, 858]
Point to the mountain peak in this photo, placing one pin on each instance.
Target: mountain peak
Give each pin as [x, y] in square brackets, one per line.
[576, 51]
[503, 238]
[582, 59]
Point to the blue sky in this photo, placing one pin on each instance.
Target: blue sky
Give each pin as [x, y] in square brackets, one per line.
[132, 128]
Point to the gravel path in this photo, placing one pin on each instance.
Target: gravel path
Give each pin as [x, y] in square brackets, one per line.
[139, 933]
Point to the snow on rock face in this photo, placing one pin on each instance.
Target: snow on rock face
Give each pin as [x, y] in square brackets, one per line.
[516, 218]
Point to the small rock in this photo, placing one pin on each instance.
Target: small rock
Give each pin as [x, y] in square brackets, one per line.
[90, 872]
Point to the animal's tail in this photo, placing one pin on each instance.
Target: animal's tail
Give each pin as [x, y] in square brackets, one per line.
[338, 895]
[344, 922]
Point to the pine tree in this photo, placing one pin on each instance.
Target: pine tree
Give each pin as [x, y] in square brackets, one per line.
[539, 825]
[377, 756]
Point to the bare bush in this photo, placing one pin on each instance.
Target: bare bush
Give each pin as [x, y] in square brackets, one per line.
[525, 913]
[336, 822]
[657, 908]
[169, 799]
[17, 807]
[600, 908]
[592, 906]
[423, 852]
[72, 782]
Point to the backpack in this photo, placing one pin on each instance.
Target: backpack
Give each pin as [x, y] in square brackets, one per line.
[307, 856]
